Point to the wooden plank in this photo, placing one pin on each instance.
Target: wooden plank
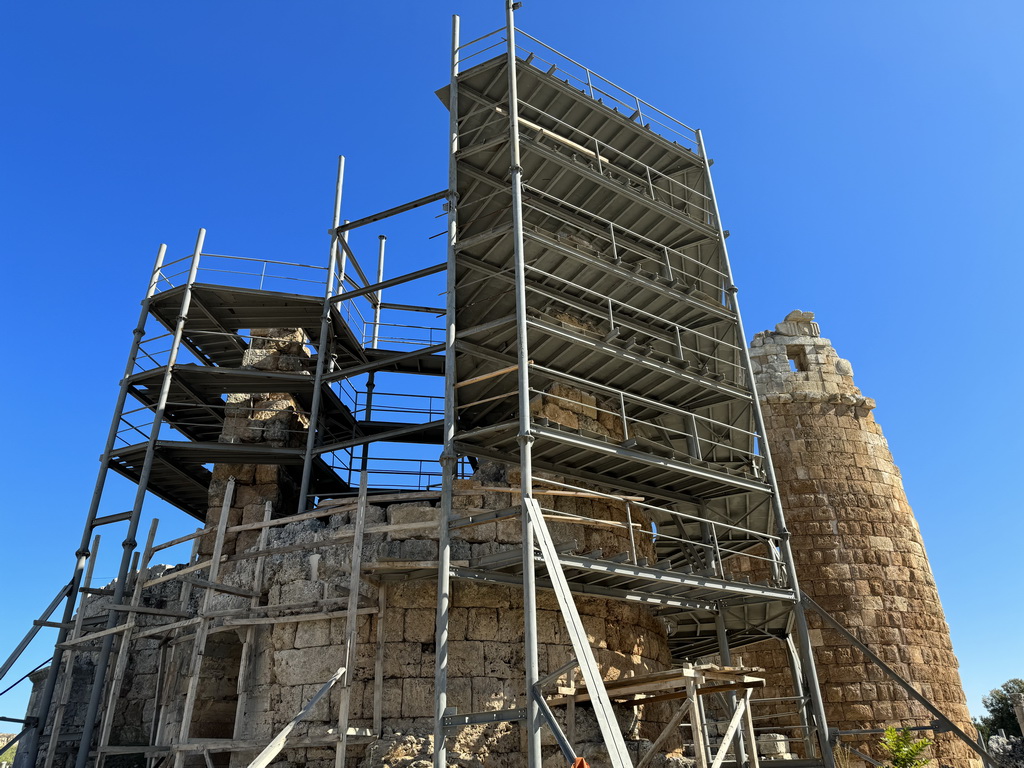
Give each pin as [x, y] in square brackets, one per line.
[378, 662]
[334, 540]
[299, 742]
[221, 587]
[226, 745]
[482, 517]
[404, 496]
[69, 663]
[124, 649]
[544, 492]
[249, 644]
[730, 731]
[582, 520]
[182, 539]
[351, 624]
[123, 749]
[148, 610]
[667, 731]
[120, 517]
[696, 726]
[178, 574]
[750, 735]
[700, 692]
[269, 609]
[314, 515]
[92, 636]
[199, 646]
[485, 376]
[406, 565]
[294, 619]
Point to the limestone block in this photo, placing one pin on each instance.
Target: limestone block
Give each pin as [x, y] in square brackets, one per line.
[310, 634]
[466, 659]
[410, 549]
[283, 636]
[419, 625]
[500, 659]
[485, 532]
[403, 659]
[399, 514]
[299, 666]
[482, 624]
[461, 551]
[490, 693]
[300, 591]
[509, 531]
[475, 595]
[458, 619]
[413, 594]
[574, 400]
[417, 697]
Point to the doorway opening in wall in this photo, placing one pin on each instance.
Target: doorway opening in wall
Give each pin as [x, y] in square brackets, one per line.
[217, 695]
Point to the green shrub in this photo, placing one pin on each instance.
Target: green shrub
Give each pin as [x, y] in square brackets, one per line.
[904, 750]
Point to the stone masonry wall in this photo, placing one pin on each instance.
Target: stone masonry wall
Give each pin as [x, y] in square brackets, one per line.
[287, 661]
[291, 660]
[858, 549]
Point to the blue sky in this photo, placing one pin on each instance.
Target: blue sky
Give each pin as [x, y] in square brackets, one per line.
[868, 165]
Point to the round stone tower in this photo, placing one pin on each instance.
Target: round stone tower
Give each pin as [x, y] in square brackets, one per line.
[857, 546]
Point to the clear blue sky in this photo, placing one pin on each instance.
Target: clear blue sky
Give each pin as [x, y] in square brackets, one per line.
[868, 164]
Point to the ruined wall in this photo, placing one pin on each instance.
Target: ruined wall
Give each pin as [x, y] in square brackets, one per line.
[857, 546]
[262, 660]
[289, 660]
[269, 418]
[256, 675]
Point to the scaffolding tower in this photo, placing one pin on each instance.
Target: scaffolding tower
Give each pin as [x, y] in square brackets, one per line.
[584, 248]
[570, 196]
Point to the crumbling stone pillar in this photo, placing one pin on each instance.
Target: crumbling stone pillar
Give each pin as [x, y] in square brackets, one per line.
[273, 419]
[858, 549]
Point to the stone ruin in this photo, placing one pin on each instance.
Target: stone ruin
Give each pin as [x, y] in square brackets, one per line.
[290, 660]
[857, 547]
[274, 666]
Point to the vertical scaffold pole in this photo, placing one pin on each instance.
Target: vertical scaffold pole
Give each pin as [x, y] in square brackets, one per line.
[323, 347]
[378, 296]
[130, 543]
[810, 673]
[65, 692]
[449, 459]
[124, 647]
[726, 656]
[195, 666]
[355, 563]
[83, 554]
[525, 437]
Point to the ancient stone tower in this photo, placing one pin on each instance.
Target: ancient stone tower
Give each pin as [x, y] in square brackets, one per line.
[856, 543]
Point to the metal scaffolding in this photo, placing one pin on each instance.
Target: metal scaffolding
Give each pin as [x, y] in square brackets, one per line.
[584, 249]
[570, 196]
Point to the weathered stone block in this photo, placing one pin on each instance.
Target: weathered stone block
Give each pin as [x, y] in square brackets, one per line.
[300, 666]
[417, 697]
[482, 624]
[419, 625]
